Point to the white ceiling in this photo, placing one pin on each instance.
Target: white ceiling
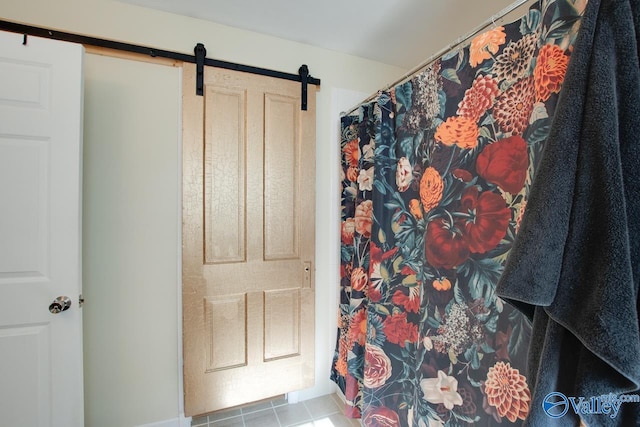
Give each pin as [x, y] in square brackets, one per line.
[397, 32]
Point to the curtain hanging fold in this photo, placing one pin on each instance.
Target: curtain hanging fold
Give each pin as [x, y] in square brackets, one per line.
[435, 178]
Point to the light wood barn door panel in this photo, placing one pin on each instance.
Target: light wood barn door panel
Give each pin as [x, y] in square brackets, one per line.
[248, 239]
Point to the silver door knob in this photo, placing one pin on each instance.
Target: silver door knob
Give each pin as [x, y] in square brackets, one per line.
[60, 304]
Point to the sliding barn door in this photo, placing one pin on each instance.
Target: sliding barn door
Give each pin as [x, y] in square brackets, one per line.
[248, 239]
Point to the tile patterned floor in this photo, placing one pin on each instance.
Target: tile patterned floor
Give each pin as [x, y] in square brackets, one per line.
[325, 411]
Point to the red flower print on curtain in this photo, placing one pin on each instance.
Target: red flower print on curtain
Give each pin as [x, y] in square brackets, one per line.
[446, 246]
[505, 163]
[479, 98]
[487, 221]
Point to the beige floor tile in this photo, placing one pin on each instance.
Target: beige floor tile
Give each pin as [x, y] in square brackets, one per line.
[323, 422]
[322, 406]
[266, 418]
[290, 415]
[224, 414]
[199, 421]
[229, 422]
[339, 401]
[338, 420]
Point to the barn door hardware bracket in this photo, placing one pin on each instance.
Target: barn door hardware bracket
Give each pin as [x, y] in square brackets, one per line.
[200, 53]
[304, 80]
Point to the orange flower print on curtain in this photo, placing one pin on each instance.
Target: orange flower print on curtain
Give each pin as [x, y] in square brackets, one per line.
[460, 131]
[550, 70]
[351, 152]
[414, 208]
[358, 329]
[353, 173]
[443, 284]
[507, 391]
[485, 45]
[431, 186]
[435, 179]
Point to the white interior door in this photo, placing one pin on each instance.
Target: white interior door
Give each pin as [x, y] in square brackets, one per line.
[40, 232]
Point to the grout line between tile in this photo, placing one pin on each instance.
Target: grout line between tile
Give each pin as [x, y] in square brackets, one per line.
[306, 408]
[276, 412]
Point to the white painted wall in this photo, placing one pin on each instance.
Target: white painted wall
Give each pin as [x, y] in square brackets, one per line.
[131, 215]
[329, 296]
[131, 196]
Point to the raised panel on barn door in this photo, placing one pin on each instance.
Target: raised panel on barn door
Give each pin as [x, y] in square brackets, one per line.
[248, 239]
[225, 170]
[226, 327]
[281, 148]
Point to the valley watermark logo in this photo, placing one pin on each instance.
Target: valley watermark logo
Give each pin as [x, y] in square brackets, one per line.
[556, 405]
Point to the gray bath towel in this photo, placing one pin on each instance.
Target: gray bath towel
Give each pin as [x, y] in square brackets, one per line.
[575, 266]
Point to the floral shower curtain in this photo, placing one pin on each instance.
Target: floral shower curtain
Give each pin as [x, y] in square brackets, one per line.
[436, 174]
